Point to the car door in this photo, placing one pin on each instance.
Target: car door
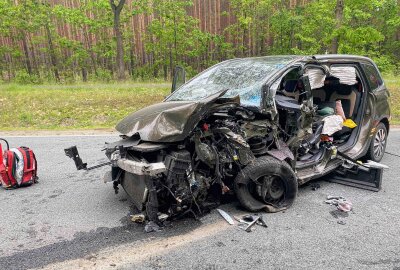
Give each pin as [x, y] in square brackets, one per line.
[378, 92]
[377, 108]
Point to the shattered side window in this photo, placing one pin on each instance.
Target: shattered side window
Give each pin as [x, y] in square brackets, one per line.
[241, 77]
[244, 81]
[373, 77]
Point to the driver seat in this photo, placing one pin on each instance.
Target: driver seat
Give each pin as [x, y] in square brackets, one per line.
[291, 90]
[348, 96]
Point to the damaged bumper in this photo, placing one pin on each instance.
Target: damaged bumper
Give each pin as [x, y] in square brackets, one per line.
[141, 168]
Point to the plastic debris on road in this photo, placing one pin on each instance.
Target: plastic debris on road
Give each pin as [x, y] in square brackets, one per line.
[340, 202]
[226, 216]
[151, 226]
[245, 222]
[140, 218]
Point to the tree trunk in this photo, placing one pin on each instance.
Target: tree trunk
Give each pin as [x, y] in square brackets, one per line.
[132, 56]
[26, 52]
[84, 74]
[165, 68]
[6, 68]
[175, 47]
[170, 60]
[118, 36]
[339, 17]
[90, 49]
[34, 59]
[53, 56]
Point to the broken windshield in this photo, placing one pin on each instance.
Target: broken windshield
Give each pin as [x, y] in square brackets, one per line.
[241, 77]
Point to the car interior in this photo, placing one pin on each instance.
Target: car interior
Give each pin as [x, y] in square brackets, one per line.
[326, 89]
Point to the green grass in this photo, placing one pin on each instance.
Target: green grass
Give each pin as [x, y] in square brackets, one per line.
[80, 106]
[393, 84]
[95, 105]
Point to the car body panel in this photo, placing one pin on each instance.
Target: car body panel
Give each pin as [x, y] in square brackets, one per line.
[169, 121]
[377, 109]
[251, 126]
[172, 121]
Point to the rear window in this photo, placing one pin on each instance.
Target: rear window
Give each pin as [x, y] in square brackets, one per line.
[373, 77]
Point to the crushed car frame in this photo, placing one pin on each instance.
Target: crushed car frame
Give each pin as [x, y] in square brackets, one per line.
[255, 127]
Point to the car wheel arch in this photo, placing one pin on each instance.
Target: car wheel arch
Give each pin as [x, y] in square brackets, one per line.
[385, 121]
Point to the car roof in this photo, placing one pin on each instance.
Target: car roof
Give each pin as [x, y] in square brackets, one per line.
[285, 58]
[290, 59]
[346, 57]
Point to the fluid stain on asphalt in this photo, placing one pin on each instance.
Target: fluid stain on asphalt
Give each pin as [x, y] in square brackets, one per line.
[86, 243]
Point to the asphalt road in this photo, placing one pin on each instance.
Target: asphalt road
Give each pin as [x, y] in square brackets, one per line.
[72, 220]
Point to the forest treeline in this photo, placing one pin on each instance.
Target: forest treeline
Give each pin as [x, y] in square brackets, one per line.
[80, 40]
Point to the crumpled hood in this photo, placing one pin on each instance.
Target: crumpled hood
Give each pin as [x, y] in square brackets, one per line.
[168, 121]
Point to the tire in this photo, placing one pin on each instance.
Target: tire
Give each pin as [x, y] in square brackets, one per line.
[264, 183]
[377, 146]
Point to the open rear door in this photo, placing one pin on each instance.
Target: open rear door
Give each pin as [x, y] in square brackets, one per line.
[370, 179]
[351, 173]
[365, 176]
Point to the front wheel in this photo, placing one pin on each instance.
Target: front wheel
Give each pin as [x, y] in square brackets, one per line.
[377, 147]
[266, 182]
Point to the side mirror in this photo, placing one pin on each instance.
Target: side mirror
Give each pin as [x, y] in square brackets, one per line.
[179, 78]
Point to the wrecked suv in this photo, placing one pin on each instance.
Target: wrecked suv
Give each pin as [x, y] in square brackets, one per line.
[253, 127]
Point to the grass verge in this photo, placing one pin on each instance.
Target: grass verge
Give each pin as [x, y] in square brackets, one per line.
[80, 106]
[393, 84]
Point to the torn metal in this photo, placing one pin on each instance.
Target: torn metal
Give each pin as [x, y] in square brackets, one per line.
[166, 121]
[255, 127]
[226, 216]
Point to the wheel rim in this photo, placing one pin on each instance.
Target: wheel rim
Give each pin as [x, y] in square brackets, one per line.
[379, 143]
[270, 189]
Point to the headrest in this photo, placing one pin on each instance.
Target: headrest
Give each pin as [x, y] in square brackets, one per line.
[331, 83]
[344, 90]
[290, 85]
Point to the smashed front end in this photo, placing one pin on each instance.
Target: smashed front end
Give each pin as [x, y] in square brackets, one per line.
[180, 165]
[184, 155]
